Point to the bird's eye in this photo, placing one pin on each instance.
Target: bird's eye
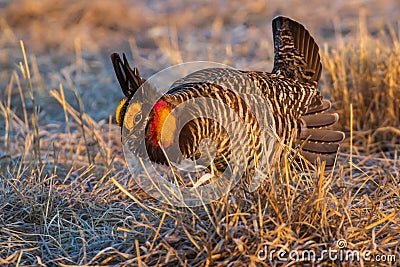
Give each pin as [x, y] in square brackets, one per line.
[138, 117]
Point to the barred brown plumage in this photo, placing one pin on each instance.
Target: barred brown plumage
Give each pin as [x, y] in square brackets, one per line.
[289, 92]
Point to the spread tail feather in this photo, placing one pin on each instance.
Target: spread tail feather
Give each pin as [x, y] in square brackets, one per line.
[320, 143]
[316, 140]
[296, 53]
[313, 109]
[319, 120]
[322, 135]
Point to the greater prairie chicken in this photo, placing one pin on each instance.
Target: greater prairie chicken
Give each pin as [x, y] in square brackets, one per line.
[289, 93]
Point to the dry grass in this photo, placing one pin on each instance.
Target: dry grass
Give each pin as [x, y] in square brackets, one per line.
[62, 168]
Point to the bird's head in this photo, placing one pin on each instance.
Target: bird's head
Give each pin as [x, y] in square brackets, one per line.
[160, 123]
[129, 115]
[135, 113]
[130, 81]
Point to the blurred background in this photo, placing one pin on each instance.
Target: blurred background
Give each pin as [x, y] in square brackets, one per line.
[69, 42]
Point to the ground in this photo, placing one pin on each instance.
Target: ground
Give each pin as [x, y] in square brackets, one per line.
[67, 197]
